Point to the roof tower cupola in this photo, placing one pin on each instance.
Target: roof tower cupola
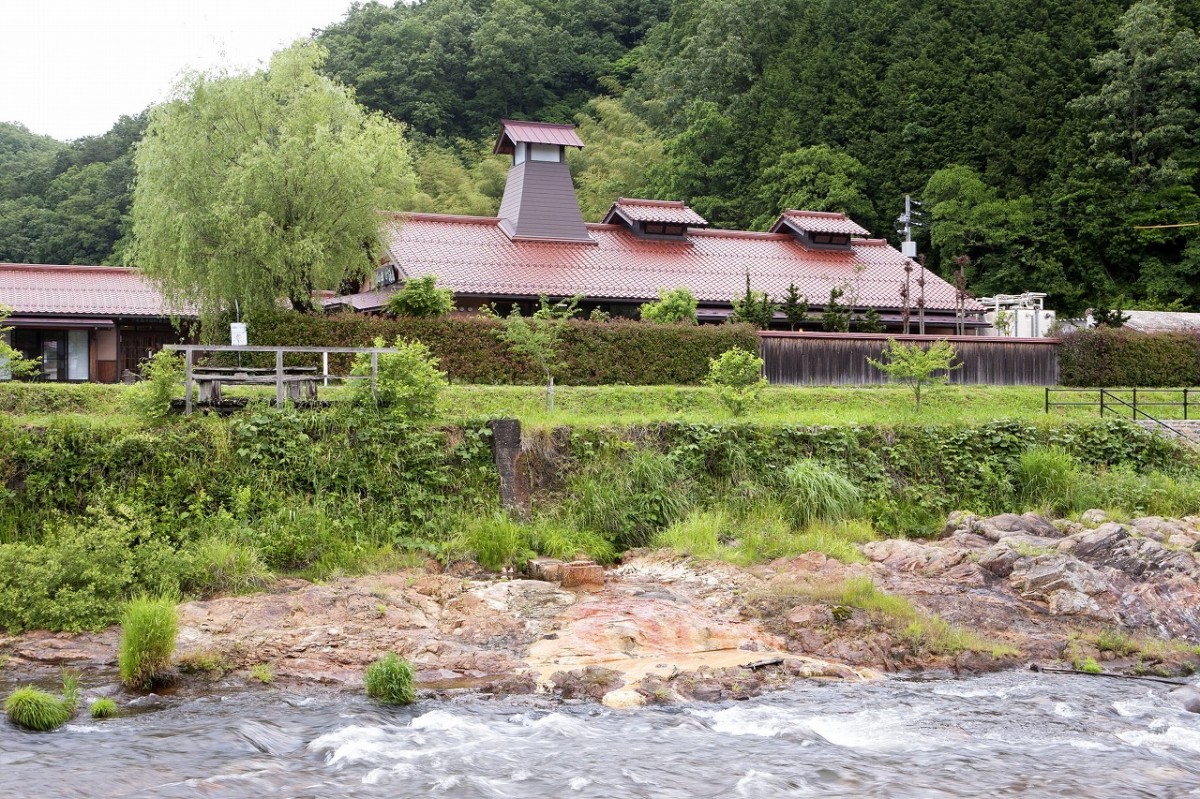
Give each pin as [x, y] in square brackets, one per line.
[539, 202]
[819, 230]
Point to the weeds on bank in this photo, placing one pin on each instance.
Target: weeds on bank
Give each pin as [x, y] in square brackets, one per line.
[923, 632]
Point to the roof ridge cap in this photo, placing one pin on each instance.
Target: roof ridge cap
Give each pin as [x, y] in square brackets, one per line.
[421, 216]
[563, 125]
[825, 214]
[657, 203]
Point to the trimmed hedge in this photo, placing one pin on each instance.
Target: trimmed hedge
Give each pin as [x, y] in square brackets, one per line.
[1119, 357]
[468, 350]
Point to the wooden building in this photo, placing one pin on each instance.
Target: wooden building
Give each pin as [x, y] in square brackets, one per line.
[539, 244]
[87, 323]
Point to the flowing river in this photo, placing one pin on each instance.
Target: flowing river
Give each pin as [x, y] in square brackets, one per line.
[1015, 734]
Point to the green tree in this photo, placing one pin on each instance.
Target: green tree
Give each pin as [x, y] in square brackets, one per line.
[754, 307]
[677, 306]
[915, 365]
[795, 307]
[818, 178]
[260, 186]
[621, 153]
[736, 375]
[421, 297]
[539, 337]
[835, 317]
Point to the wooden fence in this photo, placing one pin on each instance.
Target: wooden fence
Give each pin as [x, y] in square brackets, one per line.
[830, 359]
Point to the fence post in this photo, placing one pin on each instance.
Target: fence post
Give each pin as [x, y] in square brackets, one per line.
[1133, 414]
[325, 367]
[187, 382]
[279, 378]
[1101, 403]
[1047, 399]
[374, 375]
[1185, 403]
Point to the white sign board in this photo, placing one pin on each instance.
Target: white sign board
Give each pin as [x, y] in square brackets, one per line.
[237, 334]
[909, 248]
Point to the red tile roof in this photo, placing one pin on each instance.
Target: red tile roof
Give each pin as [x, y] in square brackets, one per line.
[821, 222]
[669, 211]
[83, 291]
[513, 131]
[473, 256]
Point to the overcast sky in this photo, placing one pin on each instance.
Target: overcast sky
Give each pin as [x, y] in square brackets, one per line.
[71, 67]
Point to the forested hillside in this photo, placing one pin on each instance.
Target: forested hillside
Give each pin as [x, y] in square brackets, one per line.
[1038, 134]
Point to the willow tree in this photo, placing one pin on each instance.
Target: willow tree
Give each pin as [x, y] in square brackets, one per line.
[261, 186]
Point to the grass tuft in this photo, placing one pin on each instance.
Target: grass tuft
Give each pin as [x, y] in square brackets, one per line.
[148, 627]
[263, 672]
[35, 709]
[390, 680]
[104, 709]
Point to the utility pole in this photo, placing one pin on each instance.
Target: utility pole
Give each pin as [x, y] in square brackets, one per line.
[906, 222]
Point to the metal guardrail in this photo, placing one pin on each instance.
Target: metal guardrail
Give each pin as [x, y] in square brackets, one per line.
[1109, 402]
[280, 378]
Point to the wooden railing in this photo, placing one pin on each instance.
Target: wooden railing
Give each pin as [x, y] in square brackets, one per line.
[279, 374]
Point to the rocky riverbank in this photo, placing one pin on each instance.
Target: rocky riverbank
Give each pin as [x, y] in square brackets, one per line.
[990, 593]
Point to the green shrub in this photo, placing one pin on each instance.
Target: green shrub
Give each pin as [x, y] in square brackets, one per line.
[390, 680]
[813, 492]
[592, 353]
[104, 708]
[1046, 478]
[1120, 357]
[221, 566]
[1152, 493]
[420, 297]
[677, 306]
[35, 709]
[148, 627]
[407, 381]
[737, 377]
[151, 398]
[77, 577]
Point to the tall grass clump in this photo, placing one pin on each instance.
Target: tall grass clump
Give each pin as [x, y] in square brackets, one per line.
[148, 627]
[813, 492]
[226, 567]
[1046, 478]
[35, 709]
[628, 501]
[697, 535]
[565, 542]
[390, 680]
[495, 541]
[1153, 493]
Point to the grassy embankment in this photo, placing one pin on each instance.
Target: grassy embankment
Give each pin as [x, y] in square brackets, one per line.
[592, 406]
[99, 506]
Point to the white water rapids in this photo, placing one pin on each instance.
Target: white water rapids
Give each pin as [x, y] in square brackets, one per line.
[1016, 734]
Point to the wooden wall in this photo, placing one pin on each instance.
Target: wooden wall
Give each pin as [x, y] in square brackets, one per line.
[828, 359]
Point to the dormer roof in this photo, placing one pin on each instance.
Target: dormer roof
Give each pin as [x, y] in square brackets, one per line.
[672, 212]
[818, 222]
[513, 131]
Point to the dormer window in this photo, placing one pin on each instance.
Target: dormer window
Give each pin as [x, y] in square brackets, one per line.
[666, 220]
[821, 230]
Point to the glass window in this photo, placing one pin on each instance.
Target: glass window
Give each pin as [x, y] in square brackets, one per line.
[77, 355]
[53, 365]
